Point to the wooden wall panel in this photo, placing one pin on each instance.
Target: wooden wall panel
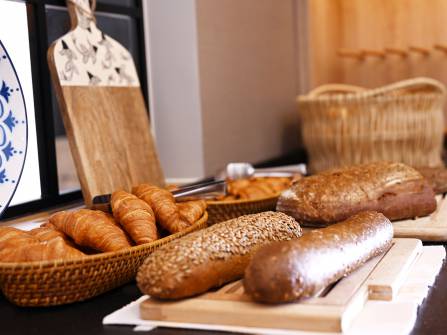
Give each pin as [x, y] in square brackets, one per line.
[375, 25]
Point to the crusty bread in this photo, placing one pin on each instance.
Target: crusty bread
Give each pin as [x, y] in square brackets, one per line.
[394, 189]
[211, 257]
[288, 271]
[436, 176]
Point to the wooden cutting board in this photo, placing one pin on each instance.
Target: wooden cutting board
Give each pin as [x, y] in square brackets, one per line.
[102, 107]
[428, 228]
[333, 310]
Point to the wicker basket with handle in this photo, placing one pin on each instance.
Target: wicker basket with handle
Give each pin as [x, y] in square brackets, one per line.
[345, 124]
[52, 283]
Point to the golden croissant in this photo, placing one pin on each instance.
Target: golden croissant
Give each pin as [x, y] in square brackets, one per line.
[163, 205]
[13, 237]
[48, 233]
[20, 246]
[135, 215]
[93, 229]
[191, 211]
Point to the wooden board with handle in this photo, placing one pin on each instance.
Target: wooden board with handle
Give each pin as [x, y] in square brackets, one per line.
[333, 310]
[102, 107]
[428, 228]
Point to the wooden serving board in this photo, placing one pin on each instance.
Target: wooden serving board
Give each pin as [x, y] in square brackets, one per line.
[429, 228]
[332, 310]
[102, 107]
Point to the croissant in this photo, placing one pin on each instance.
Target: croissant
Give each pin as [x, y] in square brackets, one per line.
[135, 215]
[191, 211]
[164, 206]
[11, 237]
[47, 233]
[93, 229]
[20, 246]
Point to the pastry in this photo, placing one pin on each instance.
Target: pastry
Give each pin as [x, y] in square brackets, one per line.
[20, 246]
[135, 216]
[93, 229]
[163, 204]
[191, 211]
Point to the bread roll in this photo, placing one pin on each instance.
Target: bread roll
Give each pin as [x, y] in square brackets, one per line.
[288, 271]
[211, 257]
[394, 189]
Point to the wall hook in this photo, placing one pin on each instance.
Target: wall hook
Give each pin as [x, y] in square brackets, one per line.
[397, 51]
[440, 47]
[374, 53]
[420, 50]
[349, 53]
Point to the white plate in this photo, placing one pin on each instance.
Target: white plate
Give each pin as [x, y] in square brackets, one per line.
[13, 129]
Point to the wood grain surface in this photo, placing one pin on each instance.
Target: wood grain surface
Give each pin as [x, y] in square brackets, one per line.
[332, 310]
[102, 107]
[429, 228]
[110, 138]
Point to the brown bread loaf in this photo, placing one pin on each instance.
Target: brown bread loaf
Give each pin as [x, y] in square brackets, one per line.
[436, 176]
[288, 271]
[211, 257]
[394, 189]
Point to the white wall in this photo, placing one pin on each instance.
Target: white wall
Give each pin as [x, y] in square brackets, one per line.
[171, 40]
[223, 82]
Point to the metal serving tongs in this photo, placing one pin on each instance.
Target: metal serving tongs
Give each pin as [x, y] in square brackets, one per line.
[242, 170]
[205, 190]
[213, 189]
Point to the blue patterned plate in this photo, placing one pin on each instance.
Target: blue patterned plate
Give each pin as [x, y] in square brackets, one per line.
[13, 129]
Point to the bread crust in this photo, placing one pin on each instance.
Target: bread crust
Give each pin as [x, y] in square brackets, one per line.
[394, 189]
[211, 257]
[288, 271]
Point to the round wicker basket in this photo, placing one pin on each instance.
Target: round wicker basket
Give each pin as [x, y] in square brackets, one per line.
[219, 211]
[52, 283]
[344, 124]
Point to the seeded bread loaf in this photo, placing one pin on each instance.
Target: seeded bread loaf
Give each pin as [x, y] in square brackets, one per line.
[394, 189]
[211, 257]
[288, 271]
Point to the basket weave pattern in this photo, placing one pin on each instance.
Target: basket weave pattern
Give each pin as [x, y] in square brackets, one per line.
[61, 282]
[219, 211]
[402, 122]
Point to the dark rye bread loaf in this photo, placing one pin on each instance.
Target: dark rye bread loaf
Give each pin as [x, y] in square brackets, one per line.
[394, 189]
[288, 271]
[436, 176]
[211, 257]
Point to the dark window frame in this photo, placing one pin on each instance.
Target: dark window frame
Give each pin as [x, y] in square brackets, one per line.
[38, 41]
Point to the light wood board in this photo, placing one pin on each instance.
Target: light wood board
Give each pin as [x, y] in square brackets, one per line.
[429, 228]
[333, 310]
[102, 107]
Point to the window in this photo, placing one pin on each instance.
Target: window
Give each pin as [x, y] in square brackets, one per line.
[29, 27]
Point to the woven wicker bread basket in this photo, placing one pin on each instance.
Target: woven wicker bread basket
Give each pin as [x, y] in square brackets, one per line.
[344, 124]
[52, 283]
[223, 210]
